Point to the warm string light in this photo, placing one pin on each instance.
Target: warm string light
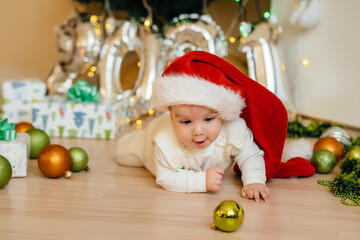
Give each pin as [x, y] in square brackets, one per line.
[97, 30]
[92, 71]
[138, 124]
[283, 67]
[108, 26]
[305, 62]
[93, 68]
[147, 23]
[276, 31]
[151, 111]
[93, 19]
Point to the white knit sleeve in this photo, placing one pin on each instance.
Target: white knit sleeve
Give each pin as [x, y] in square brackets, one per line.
[171, 176]
[251, 161]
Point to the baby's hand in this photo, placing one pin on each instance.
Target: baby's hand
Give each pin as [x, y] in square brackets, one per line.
[255, 191]
[214, 178]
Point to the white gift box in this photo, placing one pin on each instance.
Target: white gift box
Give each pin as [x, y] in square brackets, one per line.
[17, 97]
[60, 117]
[17, 153]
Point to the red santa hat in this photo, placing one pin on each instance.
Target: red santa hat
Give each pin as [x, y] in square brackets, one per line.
[201, 78]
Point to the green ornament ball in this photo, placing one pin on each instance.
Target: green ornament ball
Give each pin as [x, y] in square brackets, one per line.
[5, 171]
[323, 160]
[79, 158]
[38, 140]
[228, 216]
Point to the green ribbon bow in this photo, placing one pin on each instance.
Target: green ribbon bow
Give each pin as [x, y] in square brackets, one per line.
[83, 92]
[7, 131]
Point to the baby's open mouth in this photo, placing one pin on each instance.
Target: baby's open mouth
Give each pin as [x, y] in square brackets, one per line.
[200, 142]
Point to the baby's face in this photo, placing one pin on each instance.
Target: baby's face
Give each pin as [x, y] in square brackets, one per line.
[195, 126]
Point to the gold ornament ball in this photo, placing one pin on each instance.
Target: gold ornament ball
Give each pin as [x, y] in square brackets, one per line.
[331, 144]
[353, 152]
[228, 216]
[54, 161]
[22, 127]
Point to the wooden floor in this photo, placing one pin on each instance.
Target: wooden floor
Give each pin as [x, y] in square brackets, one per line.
[114, 202]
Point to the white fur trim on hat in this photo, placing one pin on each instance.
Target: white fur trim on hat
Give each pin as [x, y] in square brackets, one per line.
[190, 90]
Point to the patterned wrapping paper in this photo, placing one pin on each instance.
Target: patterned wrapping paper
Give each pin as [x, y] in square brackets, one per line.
[59, 117]
[17, 152]
[17, 97]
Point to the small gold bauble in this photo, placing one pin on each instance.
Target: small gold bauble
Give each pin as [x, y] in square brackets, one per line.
[331, 144]
[228, 216]
[68, 174]
[22, 127]
[54, 161]
[353, 152]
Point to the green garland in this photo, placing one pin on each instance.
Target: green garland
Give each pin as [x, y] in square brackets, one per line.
[354, 142]
[314, 129]
[347, 184]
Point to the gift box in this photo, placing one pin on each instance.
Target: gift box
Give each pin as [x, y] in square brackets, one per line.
[17, 152]
[60, 117]
[17, 97]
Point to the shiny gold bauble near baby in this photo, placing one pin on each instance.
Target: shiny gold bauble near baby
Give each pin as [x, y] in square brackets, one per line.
[353, 152]
[22, 127]
[54, 161]
[331, 144]
[228, 216]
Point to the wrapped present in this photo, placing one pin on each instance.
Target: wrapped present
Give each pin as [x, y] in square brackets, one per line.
[60, 117]
[17, 97]
[17, 152]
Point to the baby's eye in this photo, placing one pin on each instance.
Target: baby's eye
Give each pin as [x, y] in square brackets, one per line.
[209, 119]
[185, 122]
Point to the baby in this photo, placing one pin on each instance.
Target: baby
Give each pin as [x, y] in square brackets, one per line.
[201, 134]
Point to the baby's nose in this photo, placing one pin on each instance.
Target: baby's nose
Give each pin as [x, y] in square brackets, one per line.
[198, 129]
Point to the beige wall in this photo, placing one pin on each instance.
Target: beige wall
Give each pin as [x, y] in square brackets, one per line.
[28, 40]
[329, 87]
[27, 36]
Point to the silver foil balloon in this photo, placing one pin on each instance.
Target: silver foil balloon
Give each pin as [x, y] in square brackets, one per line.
[59, 81]
[153, 64]
[264, 62]
[89, 41]
[130, 38]
[339, 134]
[124, 41]
[66, 39]
[190, 32]
[79, 41]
